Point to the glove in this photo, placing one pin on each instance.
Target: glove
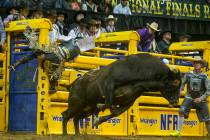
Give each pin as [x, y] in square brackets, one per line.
[12, 68]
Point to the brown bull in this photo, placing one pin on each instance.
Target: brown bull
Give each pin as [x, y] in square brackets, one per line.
[122, 82]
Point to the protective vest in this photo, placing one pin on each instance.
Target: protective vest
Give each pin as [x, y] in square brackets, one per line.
[196, 84]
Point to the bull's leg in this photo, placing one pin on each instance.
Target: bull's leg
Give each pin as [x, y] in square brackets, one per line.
[66, 116]
[76, 125]
[109, 91]
[115, 112]
[69, 113]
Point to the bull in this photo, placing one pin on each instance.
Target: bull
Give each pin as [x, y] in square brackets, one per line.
[125, 80]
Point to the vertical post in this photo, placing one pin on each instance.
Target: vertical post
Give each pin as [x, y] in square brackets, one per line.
[132, 46]
[42, 89]
[7, 79]
[206, 57]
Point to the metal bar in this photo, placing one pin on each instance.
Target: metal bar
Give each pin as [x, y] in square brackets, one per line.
[125, 36]
[111, 50]
[19, 53]
[58, 104]
[24, 92]
[21, 41]
[20, 25]
[160, 108]
[93, 60]
[155, 100]
[80, 65]
[22, 47]
[190, 46]
[171, 56]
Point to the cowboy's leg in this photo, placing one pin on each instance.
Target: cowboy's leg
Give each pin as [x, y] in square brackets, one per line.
[24, 60]
[184, 111]
[203, 114]
[208, 127]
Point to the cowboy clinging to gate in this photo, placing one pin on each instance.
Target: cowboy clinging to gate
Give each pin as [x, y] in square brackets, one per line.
[57, 55]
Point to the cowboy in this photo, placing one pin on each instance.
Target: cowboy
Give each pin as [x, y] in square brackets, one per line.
[56, 55]
[147, 36]
[198, 89]
[164, 44]
[184, 38]
[111, 20]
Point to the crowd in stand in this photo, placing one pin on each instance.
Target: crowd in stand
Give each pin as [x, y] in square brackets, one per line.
[83, 25]
[104, 6]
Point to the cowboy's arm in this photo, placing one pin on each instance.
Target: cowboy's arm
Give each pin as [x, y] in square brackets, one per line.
[207, 93]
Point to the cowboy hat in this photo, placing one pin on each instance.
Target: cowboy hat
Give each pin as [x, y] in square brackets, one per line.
[153, 26]
[83, 22]
[111, 17]
[199, 60]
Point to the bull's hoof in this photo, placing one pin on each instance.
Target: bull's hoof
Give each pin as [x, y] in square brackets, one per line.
[65, 133]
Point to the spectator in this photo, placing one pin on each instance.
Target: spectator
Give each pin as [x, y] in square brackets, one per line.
[89, 5]
[61, 27]
[7, 3]
[80, 31]
[57, 31]
[53, 35]
[164, 44]
[93, 28]
[74, 5]
[100, 24]
[3, 34]
[78, 16]
[105, 7]
[122, 8]
[61, 4]
[52, 16]
[13, 15]
[147, 36]
[24, 13]
[110, 27]
[37, 14]
[184, 38]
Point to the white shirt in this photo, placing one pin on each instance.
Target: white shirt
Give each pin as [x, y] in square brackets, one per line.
[75, 32]
[119, 9]
[55, 35]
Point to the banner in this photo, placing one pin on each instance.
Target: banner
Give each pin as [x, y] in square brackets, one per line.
[194, 9]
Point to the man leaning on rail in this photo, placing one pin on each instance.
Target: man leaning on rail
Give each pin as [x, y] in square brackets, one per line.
[198, 89]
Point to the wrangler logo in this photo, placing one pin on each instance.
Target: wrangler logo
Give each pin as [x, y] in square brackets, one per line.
[148, 121]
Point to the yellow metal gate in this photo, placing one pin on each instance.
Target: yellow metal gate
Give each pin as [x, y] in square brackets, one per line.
[2, 92]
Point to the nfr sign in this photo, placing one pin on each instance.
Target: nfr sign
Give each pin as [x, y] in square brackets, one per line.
[168, 121]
